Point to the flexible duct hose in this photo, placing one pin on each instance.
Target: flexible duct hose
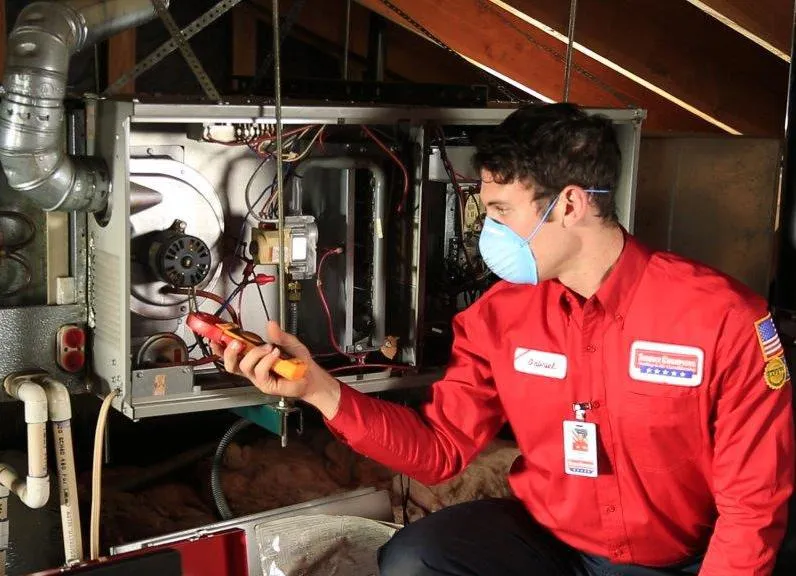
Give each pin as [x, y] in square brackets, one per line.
[215, 471]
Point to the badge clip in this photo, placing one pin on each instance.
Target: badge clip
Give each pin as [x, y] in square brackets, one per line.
[580, 408]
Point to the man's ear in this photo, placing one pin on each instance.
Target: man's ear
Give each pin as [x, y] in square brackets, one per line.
[575, 201]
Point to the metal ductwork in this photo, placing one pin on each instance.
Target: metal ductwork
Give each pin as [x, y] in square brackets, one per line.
[45, 37]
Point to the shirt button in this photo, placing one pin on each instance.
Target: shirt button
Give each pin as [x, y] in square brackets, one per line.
[595, 404]
[591, 348]
[619, 317]
[611, 509]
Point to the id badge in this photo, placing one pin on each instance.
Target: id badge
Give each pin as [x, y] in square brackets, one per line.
[580, 448]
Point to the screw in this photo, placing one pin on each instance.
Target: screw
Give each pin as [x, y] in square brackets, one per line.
[139, 374]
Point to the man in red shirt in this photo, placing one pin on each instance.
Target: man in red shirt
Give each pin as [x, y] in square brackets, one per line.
[648, 394]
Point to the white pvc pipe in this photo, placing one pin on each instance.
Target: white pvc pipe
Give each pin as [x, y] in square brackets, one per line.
[60, 412]
[35, 490]
[3, 528]
[67, 489]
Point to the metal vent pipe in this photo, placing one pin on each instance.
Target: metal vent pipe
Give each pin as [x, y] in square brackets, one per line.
[32, 154]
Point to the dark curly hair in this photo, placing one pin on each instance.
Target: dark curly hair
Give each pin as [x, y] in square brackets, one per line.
[549, 147]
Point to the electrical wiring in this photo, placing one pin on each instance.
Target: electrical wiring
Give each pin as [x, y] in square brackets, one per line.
[269, 204]
[96, 473]
[212, 359]
[239, 286]
[254, 141]
[204, 294]
[462, 200]
[325, 304]
[380, 144]
[260, 146]
[262, 299]
[249, 205]
[307, 150]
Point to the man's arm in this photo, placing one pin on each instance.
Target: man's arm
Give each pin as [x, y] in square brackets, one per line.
[463, 414]
[753, 462]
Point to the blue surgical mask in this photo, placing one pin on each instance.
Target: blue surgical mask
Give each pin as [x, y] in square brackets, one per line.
[508, 254]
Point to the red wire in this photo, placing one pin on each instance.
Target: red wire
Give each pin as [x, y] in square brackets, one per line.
[397, 160]
[210, 296]
[325, 304]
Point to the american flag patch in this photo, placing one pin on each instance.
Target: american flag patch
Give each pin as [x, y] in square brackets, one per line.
[768, 337]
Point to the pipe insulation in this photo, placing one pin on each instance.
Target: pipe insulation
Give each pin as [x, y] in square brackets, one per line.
[32, 150]
[60, 413]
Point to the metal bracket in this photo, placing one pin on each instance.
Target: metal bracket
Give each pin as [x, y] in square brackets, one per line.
[273, 417]
[186, 50]
[202, 22]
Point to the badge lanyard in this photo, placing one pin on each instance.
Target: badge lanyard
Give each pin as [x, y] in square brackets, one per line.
[580, 443]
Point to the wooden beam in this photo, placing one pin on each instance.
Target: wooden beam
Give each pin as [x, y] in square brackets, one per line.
[324, 21]
[244, 41]
[680, 52]
[768, 23]
[121, 58]
[518, 50]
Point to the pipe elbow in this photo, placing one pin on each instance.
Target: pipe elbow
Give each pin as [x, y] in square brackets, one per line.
[32, 395]
[40, 45]
[59, 403]
[36, 492]
[33, 492]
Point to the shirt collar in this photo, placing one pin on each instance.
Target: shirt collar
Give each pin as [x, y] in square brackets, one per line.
[617, 290]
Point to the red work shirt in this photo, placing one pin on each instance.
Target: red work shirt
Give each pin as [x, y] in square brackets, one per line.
[684, 374]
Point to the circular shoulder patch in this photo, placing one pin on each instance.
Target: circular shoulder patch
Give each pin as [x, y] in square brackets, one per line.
[776, 373]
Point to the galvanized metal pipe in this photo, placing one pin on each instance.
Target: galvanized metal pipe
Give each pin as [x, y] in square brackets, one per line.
[44, 38]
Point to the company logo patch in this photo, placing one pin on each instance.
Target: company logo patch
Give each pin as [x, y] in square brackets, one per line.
[671, 364]
[540, 363]
[776, 373]
[768, 337]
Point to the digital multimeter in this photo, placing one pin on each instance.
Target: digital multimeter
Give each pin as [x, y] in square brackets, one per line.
[224, 333]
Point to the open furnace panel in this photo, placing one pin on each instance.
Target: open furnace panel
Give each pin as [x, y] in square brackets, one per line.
[380, 233]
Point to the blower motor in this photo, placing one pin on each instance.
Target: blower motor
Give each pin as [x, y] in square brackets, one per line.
[178, 259]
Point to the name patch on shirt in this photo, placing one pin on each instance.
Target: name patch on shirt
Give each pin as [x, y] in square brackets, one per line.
[666, 363]
[540, 363]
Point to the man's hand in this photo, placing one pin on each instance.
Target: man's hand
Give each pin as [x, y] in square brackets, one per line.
[317, 387]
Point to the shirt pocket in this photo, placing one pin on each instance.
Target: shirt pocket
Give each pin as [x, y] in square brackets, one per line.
[659, 425]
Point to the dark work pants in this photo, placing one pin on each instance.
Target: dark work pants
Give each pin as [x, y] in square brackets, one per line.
[494, 537]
